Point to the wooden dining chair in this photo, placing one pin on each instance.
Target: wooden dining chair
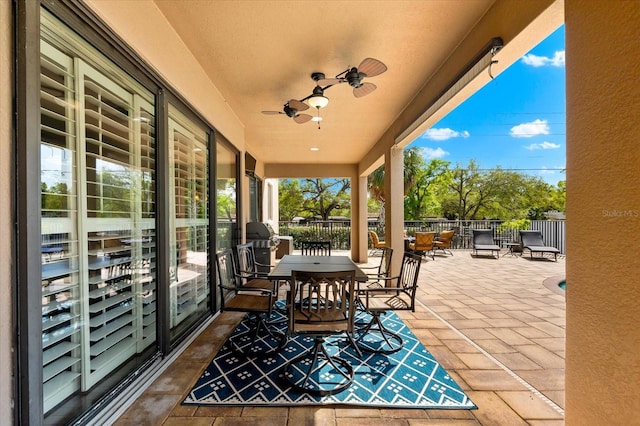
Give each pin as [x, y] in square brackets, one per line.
[316, 248]
[321, 305]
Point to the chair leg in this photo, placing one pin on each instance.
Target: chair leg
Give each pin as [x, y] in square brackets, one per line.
[252, 341]
[306, 371]
[388, 341]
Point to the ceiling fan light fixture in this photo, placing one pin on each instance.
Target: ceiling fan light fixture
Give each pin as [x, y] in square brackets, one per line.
[318, 99]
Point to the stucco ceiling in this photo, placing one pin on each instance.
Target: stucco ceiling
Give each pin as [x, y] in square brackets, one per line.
[260, 54]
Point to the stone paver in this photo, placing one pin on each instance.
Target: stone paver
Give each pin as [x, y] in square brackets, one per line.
[491, 323]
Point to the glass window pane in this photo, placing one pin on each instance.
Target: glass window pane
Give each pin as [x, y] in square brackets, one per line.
[189, 222]
[226, 192]
[98, 223]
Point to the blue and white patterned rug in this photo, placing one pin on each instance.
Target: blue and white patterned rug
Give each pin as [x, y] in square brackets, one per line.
[409, 378]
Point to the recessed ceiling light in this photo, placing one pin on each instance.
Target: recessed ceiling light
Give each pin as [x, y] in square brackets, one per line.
[315, 149]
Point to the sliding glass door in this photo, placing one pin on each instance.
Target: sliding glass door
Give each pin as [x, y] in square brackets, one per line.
[97, 155]
[189, 222]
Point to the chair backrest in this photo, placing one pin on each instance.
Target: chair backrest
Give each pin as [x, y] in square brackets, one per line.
[445, 238]
[531, 238]
[374, 238]
[424, 241]
[227, 278]
[409, 272]
[322, 302]
[316, 248]
[483, 236]
[246, 260]
[385, 262]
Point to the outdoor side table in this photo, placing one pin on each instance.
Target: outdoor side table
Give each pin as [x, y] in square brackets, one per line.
[510, 247]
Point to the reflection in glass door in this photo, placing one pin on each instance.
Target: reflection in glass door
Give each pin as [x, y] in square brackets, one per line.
[226, 194]
[98, 226]
[189, 222]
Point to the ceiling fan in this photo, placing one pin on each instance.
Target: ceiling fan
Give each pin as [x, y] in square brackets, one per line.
[369, 67]
[292, 109]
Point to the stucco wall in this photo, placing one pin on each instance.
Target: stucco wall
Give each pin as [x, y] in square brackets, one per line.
[6, 181]
[603, 212]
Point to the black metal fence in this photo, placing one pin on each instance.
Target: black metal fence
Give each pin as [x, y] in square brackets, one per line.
[339, 232]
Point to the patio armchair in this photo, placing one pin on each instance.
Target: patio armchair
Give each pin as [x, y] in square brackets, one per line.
[423, 244]
[321, 304]
[532, 241]
[247, 271]
[377, 273]
[398, 294]
[376, 244]
[483, 240]
[316, 248]
[256, 302]
[444, 241]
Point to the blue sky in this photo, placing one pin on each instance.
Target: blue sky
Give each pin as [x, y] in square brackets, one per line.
[516, 121]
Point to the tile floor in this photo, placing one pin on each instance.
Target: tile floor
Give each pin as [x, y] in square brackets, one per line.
[491, 323]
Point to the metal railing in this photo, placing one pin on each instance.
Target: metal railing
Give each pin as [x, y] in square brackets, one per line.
[339, 232]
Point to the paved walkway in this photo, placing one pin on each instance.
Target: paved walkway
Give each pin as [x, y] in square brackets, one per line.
[492, 323]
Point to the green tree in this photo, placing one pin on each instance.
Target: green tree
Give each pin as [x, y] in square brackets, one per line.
[54, 199]
[420, 199]
[472, 193]
[323, 196]
[497, 194]
[290, 199]
[413, 162]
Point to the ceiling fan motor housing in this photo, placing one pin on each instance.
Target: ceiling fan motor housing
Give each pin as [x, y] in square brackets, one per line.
[291, 112]
[354, 78]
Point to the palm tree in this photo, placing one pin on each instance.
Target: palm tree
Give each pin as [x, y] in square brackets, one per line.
[413, 162]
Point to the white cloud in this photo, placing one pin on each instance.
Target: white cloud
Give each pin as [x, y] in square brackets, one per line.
[444, 134]
[541, 61]
[543, 145]
[430, 153]
[528, 130]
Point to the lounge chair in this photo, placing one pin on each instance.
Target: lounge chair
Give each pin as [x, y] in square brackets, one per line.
[375, 243]
[532, 241]
[444, 241]
[423, 244]
[483, 240]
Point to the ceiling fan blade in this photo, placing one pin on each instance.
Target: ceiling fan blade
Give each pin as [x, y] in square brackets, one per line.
[364, 90]
[302, 118]
[297, 105]
[329, 81]
[272, 112]
[372, 67]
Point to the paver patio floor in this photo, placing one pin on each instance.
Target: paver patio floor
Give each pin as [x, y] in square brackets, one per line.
[491, 323]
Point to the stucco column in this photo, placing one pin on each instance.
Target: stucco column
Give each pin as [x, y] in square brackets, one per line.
[394, 207]
[6, 217]
[356, 228]
[603, 212]
[359, 218]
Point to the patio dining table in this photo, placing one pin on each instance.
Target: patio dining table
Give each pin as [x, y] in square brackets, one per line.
[289, 263]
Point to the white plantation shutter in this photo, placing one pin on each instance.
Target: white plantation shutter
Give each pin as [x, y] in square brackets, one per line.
[189, 235]
[98, 224]
[61, 314]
